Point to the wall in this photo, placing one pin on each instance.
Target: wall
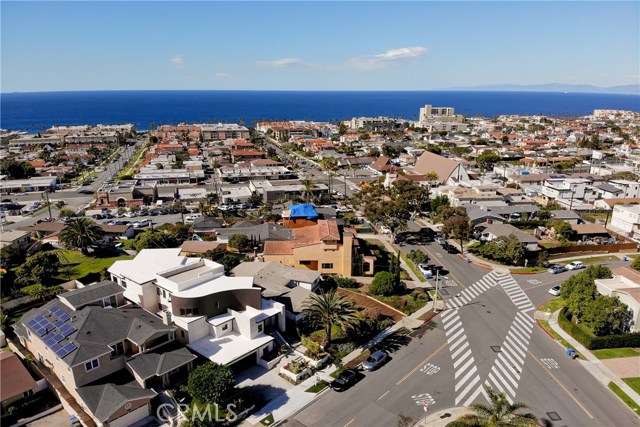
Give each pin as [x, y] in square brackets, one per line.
[218, 303]
[564, 250]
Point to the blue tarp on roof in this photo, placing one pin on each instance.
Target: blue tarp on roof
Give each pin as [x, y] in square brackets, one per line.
[303, 211]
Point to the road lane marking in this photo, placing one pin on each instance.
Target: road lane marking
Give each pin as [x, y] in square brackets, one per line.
[430, 369]
[431, 356]
[349, 422]
[385, 393]
[550, 363]
[561, 385]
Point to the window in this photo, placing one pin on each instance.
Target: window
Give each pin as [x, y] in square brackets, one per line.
[327, 265]
[225, 326]
[118, 350]
[91, 365]
[123, 283]
[189, 311]
[27, 393]
[182, 333]
[260, 327]
[111, 301]
[164, 293]
[305, 262]
[158, 291]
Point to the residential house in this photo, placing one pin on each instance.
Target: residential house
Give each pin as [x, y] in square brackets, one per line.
[261, 231]
[69, 337]
[246, 155]
[285, 284]
[489, 232]
[321, 247]
[625, 285]
[302, 215]
[448, 171]
[17, 238]
[626, 220]
[222, 318]
[17, 382]
[200, 247]
[567, 216]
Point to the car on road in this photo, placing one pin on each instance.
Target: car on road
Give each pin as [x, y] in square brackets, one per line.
[439, 240]
[143, 223]
[425, 269]
[65, 219]
[374, 361]
[97, 216]
[450, 249]
[557, 268]
[345, 380]
[555, 291]
[575, 265]
[86, 191]
[130, 214]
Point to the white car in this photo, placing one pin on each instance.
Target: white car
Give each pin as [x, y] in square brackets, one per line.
[425, 270]
[143, 223]
[130, 215]
[555, 291]
[575, 265]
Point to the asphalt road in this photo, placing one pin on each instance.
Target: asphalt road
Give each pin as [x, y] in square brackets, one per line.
[486, 335]
[72, 197]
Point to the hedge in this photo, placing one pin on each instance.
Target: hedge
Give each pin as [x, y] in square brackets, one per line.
[593, 342]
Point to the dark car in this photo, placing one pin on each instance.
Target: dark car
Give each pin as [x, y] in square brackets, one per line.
[345, 380]
[557, 268]
[97, 216]
[451, 249]
[86, 192]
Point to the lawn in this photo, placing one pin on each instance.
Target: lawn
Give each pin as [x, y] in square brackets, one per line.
[558, 338]
[317, 388]
[78, 266]
[413, 267]
[624, 397]
[405, 303]
[598, 259]
[553, 305]
[267, 421]
[611, 353]
[634, 383]
[528, 270]
[383, 257]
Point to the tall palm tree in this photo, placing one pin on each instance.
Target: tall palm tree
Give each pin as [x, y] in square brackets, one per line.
[308, 186]
[81, 233]
[498, 413]
[328, 309]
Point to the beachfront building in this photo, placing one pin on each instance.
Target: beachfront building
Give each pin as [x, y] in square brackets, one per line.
[223, 131]
[225, 319]
[437, 119]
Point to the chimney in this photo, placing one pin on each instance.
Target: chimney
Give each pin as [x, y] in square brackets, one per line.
[166, 317]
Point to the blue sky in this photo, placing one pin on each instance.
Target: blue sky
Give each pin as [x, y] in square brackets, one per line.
[49, 46]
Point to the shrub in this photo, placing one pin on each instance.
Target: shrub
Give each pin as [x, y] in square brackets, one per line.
[384, 283]
[417, 256]
[346, 282]
[592, 342]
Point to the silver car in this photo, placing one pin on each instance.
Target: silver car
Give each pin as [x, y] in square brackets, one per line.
[374, 361]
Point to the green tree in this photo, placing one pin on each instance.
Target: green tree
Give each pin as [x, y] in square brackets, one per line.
[498, 413]
[562, 229]
[328, 309]
[458, 226]
[179, 232]
[15, 169]
[418, 256]
[487, 159]
[604, 315]
[40, 293]
[255, 199]
[239, 241]
[383, 284]
[636, 264]
[39, 268]
[211, 383]
[308, 186]
[439, 202]
[152, 239]
[81, 233]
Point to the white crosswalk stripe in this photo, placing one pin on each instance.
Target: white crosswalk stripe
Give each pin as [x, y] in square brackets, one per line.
[465, 369]
[473, 291]
[450, 283]
[515, 292]
[505, 373]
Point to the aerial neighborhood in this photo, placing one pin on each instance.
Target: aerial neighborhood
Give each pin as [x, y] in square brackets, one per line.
[149, 273]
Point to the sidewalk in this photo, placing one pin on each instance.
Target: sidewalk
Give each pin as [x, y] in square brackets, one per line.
[443, 417]
[593, 365]
[293, 400]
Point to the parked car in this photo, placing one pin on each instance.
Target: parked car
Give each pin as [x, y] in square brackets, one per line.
[557, 268]
[345, 380]
[143, 223]
[97, 216]
[374, 361]
[555, 291]
[575, 265]
[439, 240]
[130, 215]
[65, 219]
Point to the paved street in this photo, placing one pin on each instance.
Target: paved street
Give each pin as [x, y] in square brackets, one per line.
[487, 335]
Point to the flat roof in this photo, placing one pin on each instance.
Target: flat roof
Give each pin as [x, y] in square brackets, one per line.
[218, 284]
[228, 348]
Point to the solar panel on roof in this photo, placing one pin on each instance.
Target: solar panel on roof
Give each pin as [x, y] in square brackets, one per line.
[57, 337]
[56, 347]
[63, 316]
[70, 347]
[32, 323]
[49, 341]
[59, 324]
[67, 330]
[39, 318]
[62, 353]
[40, 331]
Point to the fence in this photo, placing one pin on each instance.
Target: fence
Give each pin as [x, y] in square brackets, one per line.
[591, 249]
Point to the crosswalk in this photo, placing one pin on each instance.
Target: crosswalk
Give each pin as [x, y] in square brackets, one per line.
[515, 293]
[465, 369]
[505, 373]
[472, 292]
[506, 370]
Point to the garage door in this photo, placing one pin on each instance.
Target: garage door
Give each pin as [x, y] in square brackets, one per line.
[244, 363]
[131, 417]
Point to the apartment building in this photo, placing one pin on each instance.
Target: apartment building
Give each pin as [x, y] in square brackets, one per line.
[625, 219]
[568, 191]
[222, 131]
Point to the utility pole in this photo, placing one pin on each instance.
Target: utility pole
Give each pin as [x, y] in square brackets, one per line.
[435, 304]
[46, 195]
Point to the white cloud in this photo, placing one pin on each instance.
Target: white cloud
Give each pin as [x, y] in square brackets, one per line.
[285, 62]
[178, 61]
[388, 58]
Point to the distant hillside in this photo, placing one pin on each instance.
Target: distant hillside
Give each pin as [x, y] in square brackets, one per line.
[552, 87]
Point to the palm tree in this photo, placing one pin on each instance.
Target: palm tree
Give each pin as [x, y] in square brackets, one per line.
[328, 309]
[499, 413]
[81, 233]
[308, 186]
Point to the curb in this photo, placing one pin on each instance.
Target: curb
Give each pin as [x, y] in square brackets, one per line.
[301, 408]
[476, 263]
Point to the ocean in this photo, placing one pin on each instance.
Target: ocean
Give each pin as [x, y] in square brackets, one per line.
[38, 111]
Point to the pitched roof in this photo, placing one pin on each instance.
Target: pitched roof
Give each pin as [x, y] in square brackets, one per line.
[499, 230]
[15, 377]
[45, 227]
[105, 399]
[274, 278]
[90, 293]
[382, 164]
[274, 247]
[148, 365]
[589, 229]
[200, 247]
[116, 229]
[431, 162]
